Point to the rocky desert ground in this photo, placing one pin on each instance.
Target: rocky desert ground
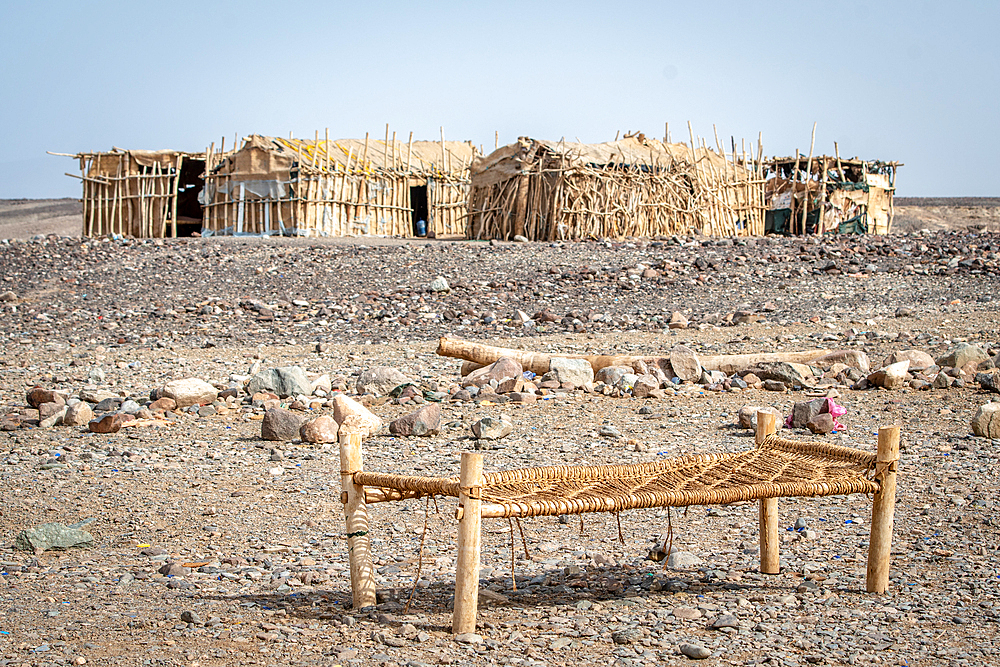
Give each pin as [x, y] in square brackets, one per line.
[210, 545]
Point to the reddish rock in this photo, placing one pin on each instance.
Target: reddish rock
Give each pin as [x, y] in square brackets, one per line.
[822, 423]
[46, 410]
[280, 425]
[37, 395]
[506, 371]
[110, 423]
[164, 404]
[423, 422]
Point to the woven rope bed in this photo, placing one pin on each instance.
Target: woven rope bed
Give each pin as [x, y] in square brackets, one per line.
[775, 468]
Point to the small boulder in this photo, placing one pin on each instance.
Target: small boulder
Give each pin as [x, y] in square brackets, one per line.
[986, 423]
[677, 321]
[695, 651]
[379, 380]
[36, 396]
[610, 375]
[345, 406]
[941, 381]
[962, 354]
[164, 404]
[784, 372]
[821, 424]
[893, 376]
[685, 364]
[804, 411]
[321, 430]
[919, 360]
[423, 422]
[989, 381]
[284, 382]
[645, 385]
[111, 423]
[281, 425]
[439, 284]
[190, 391]
[505, 371]
[53, 536]
[77, 414]
[571, 372]
[491, 428]
[53, 418]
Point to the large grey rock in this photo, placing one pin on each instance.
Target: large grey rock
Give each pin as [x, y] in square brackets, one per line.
[961, 354]
[505, 371]
[576, 372]
[989, 381]
[781, 371]
[685, 364]
[610, 375]
[281, 425]
[283, 382]
[380, 380]
[423, 422]
[53, 536]
[986, 423]
[190, 391]
[804, 411]
[683, 559]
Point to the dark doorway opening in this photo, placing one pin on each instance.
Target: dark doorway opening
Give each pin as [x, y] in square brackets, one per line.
[418, 206]
[189, 186]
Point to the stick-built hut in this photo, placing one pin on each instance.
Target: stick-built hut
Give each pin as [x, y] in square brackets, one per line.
[342, 187]
[141, 193]
[825, 195]
[636, 186]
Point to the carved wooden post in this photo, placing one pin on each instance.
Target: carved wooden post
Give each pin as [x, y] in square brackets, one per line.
[356, 515]
[469, 541]
[883, 510]
[770, 562]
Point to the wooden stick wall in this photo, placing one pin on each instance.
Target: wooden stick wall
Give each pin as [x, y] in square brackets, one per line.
[127, 198]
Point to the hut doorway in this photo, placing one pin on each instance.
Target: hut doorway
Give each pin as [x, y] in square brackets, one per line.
[189, 186]
[419, 210]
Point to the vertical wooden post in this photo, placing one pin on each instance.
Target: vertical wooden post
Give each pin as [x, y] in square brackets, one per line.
[356, 516]
[883, 509]
[769, 558]
[469, 540]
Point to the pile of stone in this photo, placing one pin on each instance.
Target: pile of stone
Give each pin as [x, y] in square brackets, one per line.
[961, 366]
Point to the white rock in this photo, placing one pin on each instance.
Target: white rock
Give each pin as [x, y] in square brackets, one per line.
[190, 391]
[576, 372]
[986, 423]
[685, 364]
[892, 376]
[345, 406]
[439, 284]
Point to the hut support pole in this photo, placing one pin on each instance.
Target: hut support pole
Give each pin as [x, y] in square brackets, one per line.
[883, 510]
[356, 515]
[469, 541]
[769, 559]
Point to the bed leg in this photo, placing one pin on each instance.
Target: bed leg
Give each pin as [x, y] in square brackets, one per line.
[883, 510]
[356, 516]
[770, 562]
[469, 541]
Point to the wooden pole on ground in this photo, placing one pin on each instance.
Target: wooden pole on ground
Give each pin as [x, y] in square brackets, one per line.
[469, 540]
[770, 562]
[356, 516]
[883, 510]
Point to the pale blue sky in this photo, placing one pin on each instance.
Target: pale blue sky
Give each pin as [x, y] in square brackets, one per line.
[917, 82]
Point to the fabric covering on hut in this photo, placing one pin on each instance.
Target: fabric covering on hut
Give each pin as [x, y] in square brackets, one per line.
[145, 194]
[828, 195]
[342, 187]
[636, 186]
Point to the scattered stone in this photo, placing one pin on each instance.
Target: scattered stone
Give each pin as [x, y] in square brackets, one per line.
[804, 411]
[280, 425]
[893, 376]
[190, 391]
[491, 428]
[919, 360]
[283, 382]
[38, 396]
[424, 422]
[380, 380]
[439, 284]
[77, 414]
[986, 422]
[53, 536]
[962, 354]
[677, 321]
[784, 372]
[321, 430]
[628, 635]
[725, 621]
[687, 613]
[774, 385]
[695, 651]
[989, 381]
[645, 385]
[503, 375]
[685, 364]
[110, 423]
[573, 372]
[345, 406]
[469, 638]
[679, 559]
[747, 416]
[611, 375]
[52, 418]
[164, 404]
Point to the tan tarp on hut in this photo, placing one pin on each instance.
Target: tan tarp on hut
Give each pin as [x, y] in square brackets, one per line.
[340, 187]
[547, 190]
[141, 193]
[827, 194]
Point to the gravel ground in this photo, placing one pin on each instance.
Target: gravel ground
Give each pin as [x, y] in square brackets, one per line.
[260, 526]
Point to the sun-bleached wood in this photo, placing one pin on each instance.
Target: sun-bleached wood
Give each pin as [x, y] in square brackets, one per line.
[883, 511]
[469, 544]
[770, 562]
[356, 516]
